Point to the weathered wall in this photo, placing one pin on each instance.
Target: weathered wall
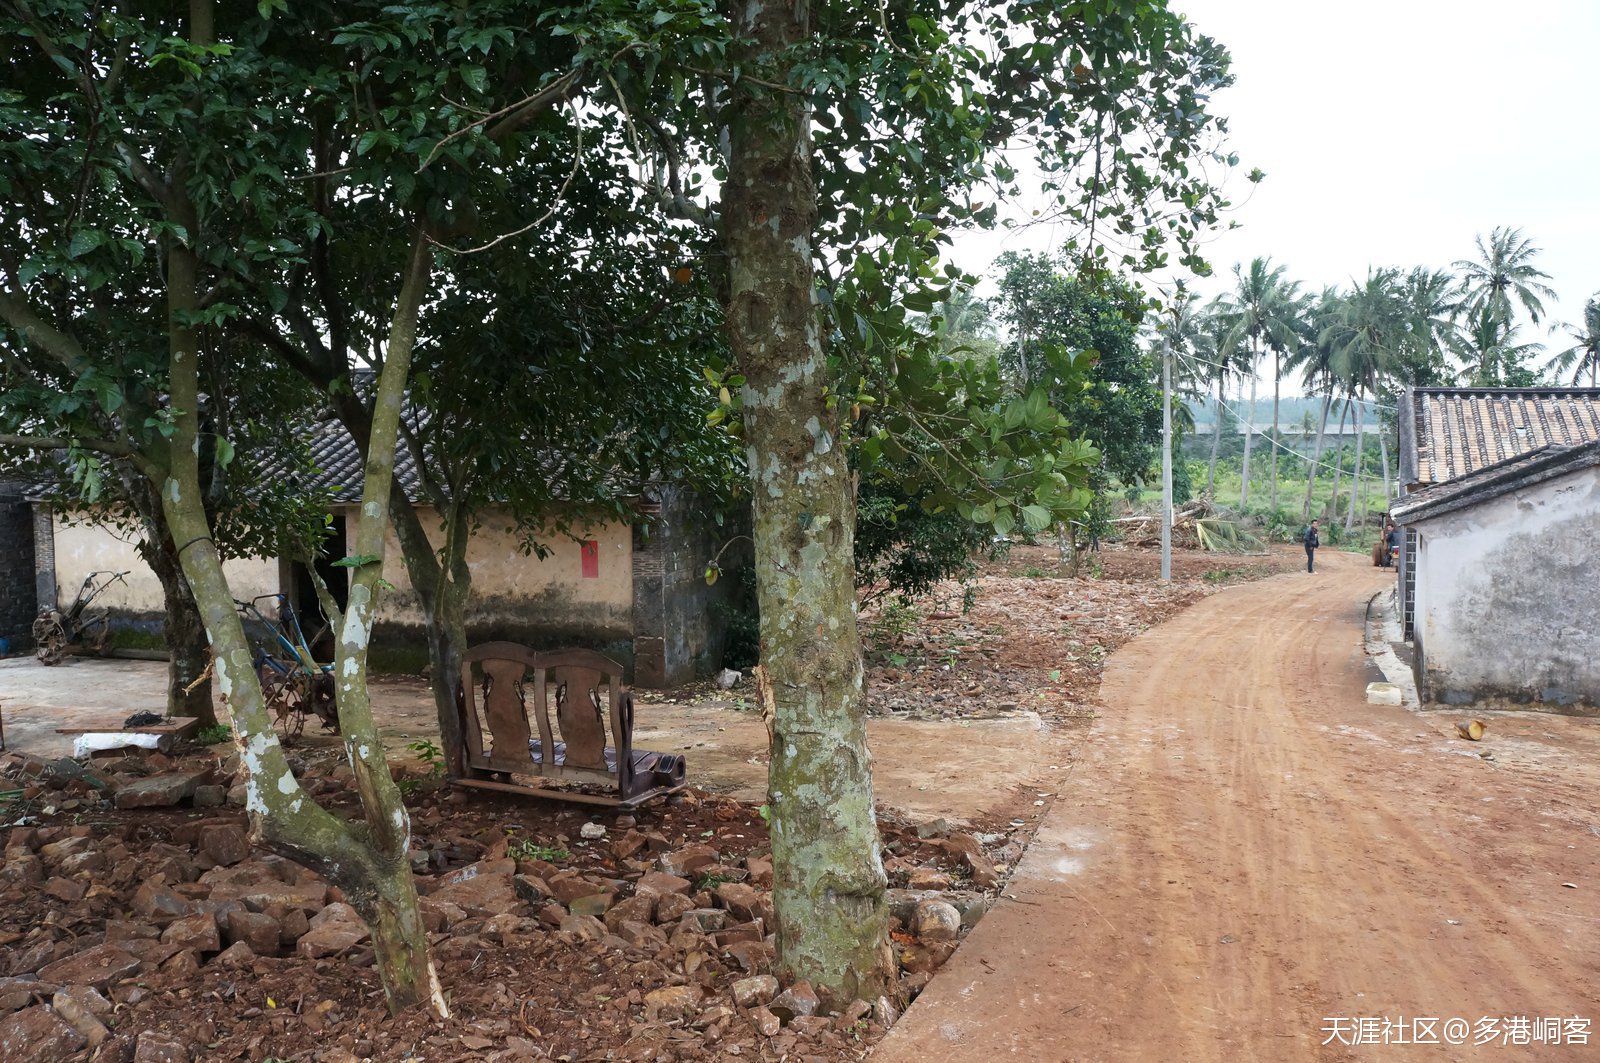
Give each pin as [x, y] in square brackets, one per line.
[136, 603]
[1505, 603]
[544, 603]
[18, 597]
[677, 624]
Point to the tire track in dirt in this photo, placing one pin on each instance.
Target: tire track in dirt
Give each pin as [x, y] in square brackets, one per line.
[1244, 849]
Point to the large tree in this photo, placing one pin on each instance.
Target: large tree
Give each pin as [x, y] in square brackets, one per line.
[1584, 353]
[1262, 313]
[1502, 272]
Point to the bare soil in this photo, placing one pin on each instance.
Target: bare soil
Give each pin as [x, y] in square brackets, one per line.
[1244, 852]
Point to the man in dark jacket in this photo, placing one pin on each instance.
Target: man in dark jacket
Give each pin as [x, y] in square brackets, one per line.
[1312, 542]
[1391, 544]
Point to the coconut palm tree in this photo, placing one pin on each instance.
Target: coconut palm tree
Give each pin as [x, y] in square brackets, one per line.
[1502, 271]
[1313, 359]
[1583, 355]
[1261, 313]
[1487, 345]
[1367, 333]
[1431, 302]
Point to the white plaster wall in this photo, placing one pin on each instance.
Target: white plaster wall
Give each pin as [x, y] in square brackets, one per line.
[82, 547]
[1507, 595]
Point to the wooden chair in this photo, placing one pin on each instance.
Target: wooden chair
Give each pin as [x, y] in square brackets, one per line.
[576, 693]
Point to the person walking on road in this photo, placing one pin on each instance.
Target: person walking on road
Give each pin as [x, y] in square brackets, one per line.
[1312, 542]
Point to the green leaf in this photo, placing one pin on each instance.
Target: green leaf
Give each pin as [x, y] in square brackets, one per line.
[84, 241]
[1004, 522]
[476, 78]
[356, 560]
[369, 138]
[224, 451]
[1035, 518]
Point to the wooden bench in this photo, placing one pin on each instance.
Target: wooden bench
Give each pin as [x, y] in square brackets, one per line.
[537, 724]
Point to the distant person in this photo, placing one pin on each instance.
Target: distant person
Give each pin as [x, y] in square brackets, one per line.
[1312, 542]
[1391, 544]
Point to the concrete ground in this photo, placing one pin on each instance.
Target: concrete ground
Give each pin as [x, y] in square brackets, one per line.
[961, 770]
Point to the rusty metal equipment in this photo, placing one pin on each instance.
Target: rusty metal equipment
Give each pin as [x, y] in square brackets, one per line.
[580, 732]
[56, 630]
[293, 683]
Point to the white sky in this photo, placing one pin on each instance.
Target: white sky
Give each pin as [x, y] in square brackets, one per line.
[1393, 133]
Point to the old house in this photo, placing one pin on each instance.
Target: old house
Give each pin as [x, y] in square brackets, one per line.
[635, 592]
[1500, 570]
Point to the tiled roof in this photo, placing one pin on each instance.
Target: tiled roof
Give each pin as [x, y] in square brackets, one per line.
[1458, 431]
[338, 464]
[1492, 481]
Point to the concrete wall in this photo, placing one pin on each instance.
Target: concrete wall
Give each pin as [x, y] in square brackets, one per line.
[18, 593]
[80, 546]
[678, 626]
[1505, 602]
[519, 597]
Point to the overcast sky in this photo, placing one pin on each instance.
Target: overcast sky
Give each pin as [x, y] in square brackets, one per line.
[1393, 132]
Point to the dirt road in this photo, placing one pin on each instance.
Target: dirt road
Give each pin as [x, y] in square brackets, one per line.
[1245, 852]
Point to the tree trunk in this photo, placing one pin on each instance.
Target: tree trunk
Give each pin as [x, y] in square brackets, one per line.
[828, 877]
[188, 649]
[1383, 454]
[1338, 464]
[368, 862]
[1355, 467]
[1316, 458]
[1249, 433]
[1216, 436]
[1277, 379]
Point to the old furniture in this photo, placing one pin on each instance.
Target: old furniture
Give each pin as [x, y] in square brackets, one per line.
[541, 723]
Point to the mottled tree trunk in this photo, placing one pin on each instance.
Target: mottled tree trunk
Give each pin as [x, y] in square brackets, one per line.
[368, 862]
[1383, 456]
[829, 883]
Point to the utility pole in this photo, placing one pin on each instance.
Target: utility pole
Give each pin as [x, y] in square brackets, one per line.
[1166, 457]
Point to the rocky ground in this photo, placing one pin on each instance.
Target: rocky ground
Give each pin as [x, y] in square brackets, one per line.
[1035, 638]
[138, 924]
[156, 933]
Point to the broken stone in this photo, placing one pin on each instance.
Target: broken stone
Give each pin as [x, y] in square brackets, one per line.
[73, 1010]
[925, 957]
[239, 954]
[661, 884]
[686, 861]
[592, 831]
[594, 904]
[581, 928]
[927, 878]
[483, 894]
[39, 1035]
[798, 999]
[18, 993]
[258, 930]
[634, 909]
[156, 1047]
[936, 921]
[330, 939]
[160, 791]
[66, 890]
[223, 846]
[755, 991]
[760, 869]
[672, 907]
[211, 796]
[531, 889]
[673, 1002]
[196, 932]
[98, 967]
[641, 935]
[766, 1023]
[937, 828]
[742, 902]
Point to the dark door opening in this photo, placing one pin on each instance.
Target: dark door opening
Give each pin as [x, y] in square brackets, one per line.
[306, 604]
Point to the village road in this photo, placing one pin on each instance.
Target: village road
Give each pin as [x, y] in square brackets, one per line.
[1246, 860]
